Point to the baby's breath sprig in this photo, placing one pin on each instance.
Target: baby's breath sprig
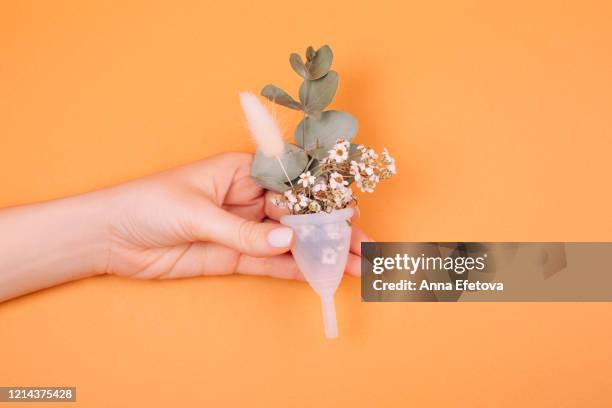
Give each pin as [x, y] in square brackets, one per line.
[329, 189]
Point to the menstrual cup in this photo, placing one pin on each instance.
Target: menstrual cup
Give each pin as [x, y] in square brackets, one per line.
[321, 251]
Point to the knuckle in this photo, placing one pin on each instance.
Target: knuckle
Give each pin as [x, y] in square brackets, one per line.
[247, 234]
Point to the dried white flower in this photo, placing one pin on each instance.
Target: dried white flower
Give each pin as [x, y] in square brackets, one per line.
[303, 201]
[342, 197]
[290, 197]
[278, 201]
[344, 143]
[336, 180]
[326, 188]
[306, 179]
[339, 153]
[387, 159]
[368, 154]
[389, 162]
[366, 185]
[314, 206]
[319, 187]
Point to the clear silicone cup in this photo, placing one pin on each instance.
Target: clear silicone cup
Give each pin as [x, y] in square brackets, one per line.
[321, 251]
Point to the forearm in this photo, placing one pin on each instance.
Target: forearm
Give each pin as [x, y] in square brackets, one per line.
[45, 244]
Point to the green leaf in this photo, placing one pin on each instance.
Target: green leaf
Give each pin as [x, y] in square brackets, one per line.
[316, 95]
[320, 64]
[298, 65]
[317, 63]
[272, 184]
[277, 95]
[319, 136]
[268, 173]
[354, 154]
[315, 115]
[310, 54]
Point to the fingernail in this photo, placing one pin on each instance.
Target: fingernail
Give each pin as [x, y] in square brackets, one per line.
[280, 237]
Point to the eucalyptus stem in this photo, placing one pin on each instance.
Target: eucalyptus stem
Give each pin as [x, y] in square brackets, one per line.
[304, 125]
[310, 162]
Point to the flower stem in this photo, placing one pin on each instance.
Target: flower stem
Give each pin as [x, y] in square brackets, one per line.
[284, 171]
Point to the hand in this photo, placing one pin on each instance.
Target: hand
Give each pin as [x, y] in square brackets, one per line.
[206, 218]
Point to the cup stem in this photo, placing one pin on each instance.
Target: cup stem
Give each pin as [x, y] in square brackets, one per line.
[329, 316]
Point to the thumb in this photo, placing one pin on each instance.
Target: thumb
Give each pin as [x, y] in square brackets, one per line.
[246, 236]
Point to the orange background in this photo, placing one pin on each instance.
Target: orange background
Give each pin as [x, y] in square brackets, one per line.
[498, 114]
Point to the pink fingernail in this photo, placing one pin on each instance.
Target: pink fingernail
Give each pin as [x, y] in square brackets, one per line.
[280, 237]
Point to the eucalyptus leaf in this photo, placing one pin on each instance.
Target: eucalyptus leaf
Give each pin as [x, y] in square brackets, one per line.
[319, 136]
[320, 64]
[277, 95]
[272, 184]
[268, 173]
[354, 153]
[315, 115]
[310, 54]
[298, 65]
[316, 95]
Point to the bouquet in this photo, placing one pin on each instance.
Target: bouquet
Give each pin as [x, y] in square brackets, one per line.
[314, 176]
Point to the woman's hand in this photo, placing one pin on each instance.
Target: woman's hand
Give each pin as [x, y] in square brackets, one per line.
[206, 218]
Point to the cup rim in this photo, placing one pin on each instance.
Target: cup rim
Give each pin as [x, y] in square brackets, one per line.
[318, 218]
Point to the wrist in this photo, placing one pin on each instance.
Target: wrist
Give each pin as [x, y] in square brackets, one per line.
[89, 233]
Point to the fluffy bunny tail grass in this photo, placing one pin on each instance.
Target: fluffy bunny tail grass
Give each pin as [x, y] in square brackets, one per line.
[263, 126]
